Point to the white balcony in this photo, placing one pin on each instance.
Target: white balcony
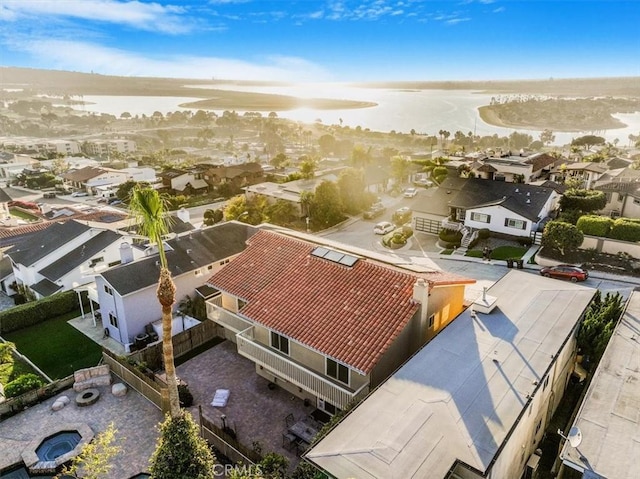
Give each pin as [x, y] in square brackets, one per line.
[447, 224]
[296, 373]
[227, 319]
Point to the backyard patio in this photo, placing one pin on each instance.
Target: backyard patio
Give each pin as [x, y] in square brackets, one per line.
[256, 413]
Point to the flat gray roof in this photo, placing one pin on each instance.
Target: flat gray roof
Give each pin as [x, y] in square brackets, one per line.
[609, 417]
[452, 400]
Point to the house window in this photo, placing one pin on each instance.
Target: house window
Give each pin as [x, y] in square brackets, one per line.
[460, 214]
[108, 290]
[210, 267]
[241, 304]
[636, 201]
[222, 263]
[514, 223]
[481, 217]
[198, 272]
[620, 197]
[95, 261]
[280, 343]
[546, 383]
[537, 429]
[328, 407]
[114, 263]
[431, 320]
[337, 371]
[113, 321]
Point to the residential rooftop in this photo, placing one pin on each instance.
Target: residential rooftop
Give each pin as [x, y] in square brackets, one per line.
[348, 307]
[462, 394]
[609, 417]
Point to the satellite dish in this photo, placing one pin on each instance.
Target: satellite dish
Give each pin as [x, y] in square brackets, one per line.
[575, 436]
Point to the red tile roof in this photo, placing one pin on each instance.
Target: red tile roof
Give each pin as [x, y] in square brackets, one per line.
[352, 314]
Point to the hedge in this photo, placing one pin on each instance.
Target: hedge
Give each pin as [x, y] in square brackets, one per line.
[625, 230]
[35, 312]
[583, 200]
[595, 225]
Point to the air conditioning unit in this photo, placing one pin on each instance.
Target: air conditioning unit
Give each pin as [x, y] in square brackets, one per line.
[321, 404]
[615, 214]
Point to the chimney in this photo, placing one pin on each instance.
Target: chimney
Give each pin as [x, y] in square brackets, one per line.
[126, 253]
[421, 295]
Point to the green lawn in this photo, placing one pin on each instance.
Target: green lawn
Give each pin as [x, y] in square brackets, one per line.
[22, 214]
[56, 347]
[501, 252]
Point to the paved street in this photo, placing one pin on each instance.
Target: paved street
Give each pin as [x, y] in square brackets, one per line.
[359, 233]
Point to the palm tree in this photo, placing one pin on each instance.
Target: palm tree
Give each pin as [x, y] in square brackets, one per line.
[148, 209]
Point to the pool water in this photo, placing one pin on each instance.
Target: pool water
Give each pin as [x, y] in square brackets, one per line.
[55, 446]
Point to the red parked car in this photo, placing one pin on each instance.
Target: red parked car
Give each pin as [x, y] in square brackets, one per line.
[565, 271]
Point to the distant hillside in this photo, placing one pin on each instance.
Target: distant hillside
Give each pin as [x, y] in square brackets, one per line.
[74, 83]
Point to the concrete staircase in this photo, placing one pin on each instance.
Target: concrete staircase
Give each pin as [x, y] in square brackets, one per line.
[468, 235]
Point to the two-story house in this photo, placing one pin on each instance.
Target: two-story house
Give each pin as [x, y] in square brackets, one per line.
[184, 181]
[622, 190]
[514, 168]
[323, 322]
[126, 294]
[475, 401]
[64, 256]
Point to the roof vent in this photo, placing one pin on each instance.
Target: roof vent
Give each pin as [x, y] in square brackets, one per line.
[517, 190]
[528, 201]
[528, 193]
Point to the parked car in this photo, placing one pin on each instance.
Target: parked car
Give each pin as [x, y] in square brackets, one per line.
[401, 215]
[383, 228]
[565, 271]
[410, 192]
[77, 194]
[103, 200]
[50, 194]
[423, 182]
[374, 211]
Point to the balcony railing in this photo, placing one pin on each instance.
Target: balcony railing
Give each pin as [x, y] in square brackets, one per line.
[296, 373]
[448, 224]
[229, 320]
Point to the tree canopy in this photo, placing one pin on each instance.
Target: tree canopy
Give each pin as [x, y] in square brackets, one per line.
[181, 452]
[562, 236]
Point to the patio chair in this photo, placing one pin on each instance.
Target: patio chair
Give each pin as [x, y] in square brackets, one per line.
[289, 441]
[289, 420]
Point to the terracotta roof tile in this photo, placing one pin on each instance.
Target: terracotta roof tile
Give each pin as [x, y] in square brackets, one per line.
[352, 314]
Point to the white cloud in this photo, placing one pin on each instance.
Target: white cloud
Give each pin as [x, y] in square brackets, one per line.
[499, 10]
[80, 56]
[145, 16]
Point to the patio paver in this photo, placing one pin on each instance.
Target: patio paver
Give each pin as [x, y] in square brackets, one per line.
[133, 416]
[256, 412]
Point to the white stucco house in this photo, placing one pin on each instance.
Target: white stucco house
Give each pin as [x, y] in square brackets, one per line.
[64, 256]
[126, 294]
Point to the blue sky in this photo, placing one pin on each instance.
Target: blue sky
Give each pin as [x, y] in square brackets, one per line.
[333, 40]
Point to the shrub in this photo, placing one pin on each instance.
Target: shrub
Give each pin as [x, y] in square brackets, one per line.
[595, 225]
[22, 384]
[36, 312]
[625, 230]
[525, 241]
[570, 216]
[583, 200]
[484, 233]
[450, 236]
[185, 396]
[407, 231]
[6, 353]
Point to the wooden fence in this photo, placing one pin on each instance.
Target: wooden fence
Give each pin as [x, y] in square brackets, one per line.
[150, 387]
[183, 343]
[226, 443]
[14, 405]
